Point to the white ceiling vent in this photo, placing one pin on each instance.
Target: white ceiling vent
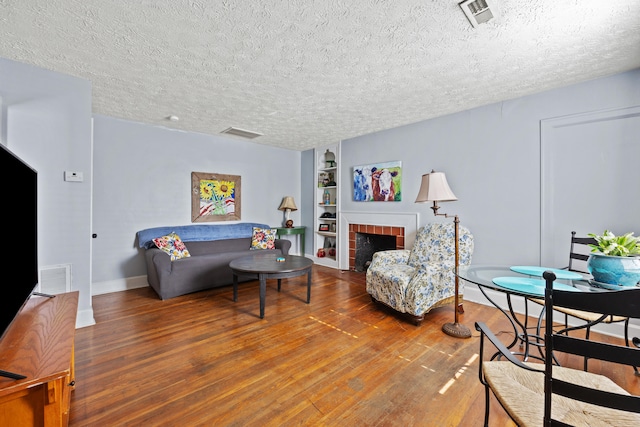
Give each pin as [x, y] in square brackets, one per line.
[241, 133]
[478, 11]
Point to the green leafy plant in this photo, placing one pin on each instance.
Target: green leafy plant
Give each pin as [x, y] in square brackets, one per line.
[610, 244]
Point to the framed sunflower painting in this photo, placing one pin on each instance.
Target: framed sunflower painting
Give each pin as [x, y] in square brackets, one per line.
[214, 197]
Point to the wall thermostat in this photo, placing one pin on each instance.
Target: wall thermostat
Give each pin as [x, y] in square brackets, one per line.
[73, 176]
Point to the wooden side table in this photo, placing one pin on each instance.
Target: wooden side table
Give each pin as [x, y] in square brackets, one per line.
[283, 231]
[40, 346]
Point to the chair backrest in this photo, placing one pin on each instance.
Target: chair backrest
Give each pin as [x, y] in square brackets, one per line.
[435, 243]
[579, 253]
[625, 303]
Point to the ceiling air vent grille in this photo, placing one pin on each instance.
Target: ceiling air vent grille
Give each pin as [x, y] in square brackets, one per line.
[241, 133]
[478, 11]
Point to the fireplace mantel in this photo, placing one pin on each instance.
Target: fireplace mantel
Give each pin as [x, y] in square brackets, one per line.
[409, 221]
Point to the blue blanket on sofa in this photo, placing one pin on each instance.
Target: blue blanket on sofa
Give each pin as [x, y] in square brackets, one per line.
[199, 232]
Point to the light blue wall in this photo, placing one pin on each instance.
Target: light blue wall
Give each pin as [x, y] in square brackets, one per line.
[491, 156]
[48, 124]
[142, 179]
[141, 173]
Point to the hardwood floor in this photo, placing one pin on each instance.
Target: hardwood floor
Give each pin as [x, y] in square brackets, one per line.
[202, 359]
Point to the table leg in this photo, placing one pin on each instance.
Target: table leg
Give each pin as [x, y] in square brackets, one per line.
[279, 283]
[309, 286]
[263, 292]
[235, 287]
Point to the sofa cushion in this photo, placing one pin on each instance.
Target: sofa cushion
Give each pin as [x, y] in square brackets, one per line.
[220, 246]
[173, 245]
[263, 238]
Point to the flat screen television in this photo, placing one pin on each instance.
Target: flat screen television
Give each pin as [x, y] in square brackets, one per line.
[19, 217]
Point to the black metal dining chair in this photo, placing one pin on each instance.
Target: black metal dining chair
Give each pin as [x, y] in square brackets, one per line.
[546, 394]
[578, 258]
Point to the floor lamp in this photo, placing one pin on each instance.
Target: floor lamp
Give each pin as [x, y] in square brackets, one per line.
[434, 188]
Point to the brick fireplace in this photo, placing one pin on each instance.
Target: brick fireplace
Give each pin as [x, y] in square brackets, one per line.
[402, 225]
[384, 230]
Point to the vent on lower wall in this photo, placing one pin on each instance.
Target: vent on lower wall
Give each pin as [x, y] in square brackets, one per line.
[241, 132]
[55, 279]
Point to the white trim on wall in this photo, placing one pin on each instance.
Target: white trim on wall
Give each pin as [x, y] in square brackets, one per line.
[108, 286]
[553, 131]
[603, 155]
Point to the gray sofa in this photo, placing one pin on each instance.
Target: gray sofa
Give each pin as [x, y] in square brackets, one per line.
[212, 247]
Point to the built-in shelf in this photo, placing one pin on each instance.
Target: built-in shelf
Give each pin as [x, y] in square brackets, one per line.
[327, 188]
[327, 233]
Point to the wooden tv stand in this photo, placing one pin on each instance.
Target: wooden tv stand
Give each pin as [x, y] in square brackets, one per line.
[39, 345]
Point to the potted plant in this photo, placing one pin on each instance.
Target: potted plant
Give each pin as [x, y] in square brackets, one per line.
[615, 260]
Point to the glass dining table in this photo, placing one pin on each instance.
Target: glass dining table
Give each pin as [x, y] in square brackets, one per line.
[523, 282]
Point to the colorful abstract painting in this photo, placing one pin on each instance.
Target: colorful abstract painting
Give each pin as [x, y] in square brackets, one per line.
[381, 182]
[215, 197]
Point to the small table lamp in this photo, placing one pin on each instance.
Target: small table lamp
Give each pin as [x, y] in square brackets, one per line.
[434, 188]
[287, 206]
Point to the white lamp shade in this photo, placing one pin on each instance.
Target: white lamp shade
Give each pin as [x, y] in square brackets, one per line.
[288, 204]
[434, 188]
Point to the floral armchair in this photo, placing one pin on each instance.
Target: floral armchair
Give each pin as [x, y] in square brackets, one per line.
[417, 280]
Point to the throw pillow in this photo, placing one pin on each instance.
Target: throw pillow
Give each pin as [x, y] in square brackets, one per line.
[263, 238]
[173, 245]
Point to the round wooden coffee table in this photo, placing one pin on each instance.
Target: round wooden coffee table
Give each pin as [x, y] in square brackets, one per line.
[264, 266]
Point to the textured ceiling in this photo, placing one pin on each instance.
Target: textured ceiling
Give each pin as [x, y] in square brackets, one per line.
[313, 72]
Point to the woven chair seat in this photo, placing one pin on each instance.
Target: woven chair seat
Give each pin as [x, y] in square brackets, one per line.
[583, 315]
[521, 393]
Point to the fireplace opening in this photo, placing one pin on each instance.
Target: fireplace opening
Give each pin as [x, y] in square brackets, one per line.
[368, 244]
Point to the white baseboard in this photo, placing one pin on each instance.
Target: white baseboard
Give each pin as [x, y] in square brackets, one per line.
[473, 294]
[100, 288]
